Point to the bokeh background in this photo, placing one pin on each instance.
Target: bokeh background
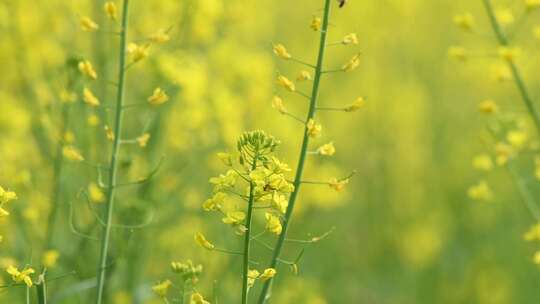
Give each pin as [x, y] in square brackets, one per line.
[406, 232]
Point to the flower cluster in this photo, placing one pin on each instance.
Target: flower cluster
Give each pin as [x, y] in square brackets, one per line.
[5, 197]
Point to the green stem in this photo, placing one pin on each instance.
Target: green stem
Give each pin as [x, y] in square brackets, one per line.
[526, 195]
[247, 237]
[41, 290]
[303, 152]
[516, 74]
[102, 266]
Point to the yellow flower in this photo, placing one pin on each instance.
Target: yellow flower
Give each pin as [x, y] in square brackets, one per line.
[137, 52]
[226, 158]
[162, 288]
[21, 276]
[517, 139]
[355, 105]
[267, 274]
[142, 140]
[215, 203]
[316, 23]
[69, 137]
[313, 129]
[277, 103]
[71, 153]
[533, 234]
[281, 51]
[201, 240]
[458, 52]
[158, 97]
[95, 194]
[286, 83]
[109, 133]
[504, 16]
[502, 73]
[224, 181]
[480, 192]
[336, 184]
[86, 68]
[532, 4]
[327, 149]
[464, 21]
[234, 218]
[503, 153]
[350, 39]
[352, 64]
[50, 257]
[93, 120]
[483, 162]
[197, 298]
[6, 196]
[88, 25]
[160, 36]
[111, 10]
[280, 202]
[303, 76]
[508, 53]
[488, 107]
[3, 212]
[253, 275]
[89, 98]
[273, 224]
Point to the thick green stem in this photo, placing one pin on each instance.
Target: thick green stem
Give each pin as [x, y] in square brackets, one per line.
[303, 151]
[41, 290]
[102, 266]
[247, 238]
[516, 74]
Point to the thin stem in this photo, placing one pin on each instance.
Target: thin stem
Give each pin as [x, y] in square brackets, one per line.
[114, 156]
[526, 195]
[41, 289]
[302, 62]
[518, 79]
[303, 152]
[247, 237]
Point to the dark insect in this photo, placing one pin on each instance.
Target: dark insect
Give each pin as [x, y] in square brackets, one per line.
[269, 188]
[342, 2]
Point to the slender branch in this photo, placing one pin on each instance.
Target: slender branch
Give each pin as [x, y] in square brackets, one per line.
[303, 152]
[114, 156]
[247, 237]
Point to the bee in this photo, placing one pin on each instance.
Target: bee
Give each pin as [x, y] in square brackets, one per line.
[341, 3]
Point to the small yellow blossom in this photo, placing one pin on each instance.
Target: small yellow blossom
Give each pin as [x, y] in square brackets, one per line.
[488, 107]
[95, 193]
[458, 52]
[464, 21]
[253, 275]
[355, 105]
[350, 39]
[109, 132]
[336, 184]
[50, 257]
[503, 152]
[160, 36]
[89, 98]
[482, 162]
[281, 51]
[71, 153]
[504, 16]
[234, 218]
[111, 10]
[215, 203]
[280, 202]
[21, 276]
[162, 288]
[224, 181]
[480, 192]
[159, 96]
[88, 25]
[197, 298]
[86, 68]
[533, 234]
[273, 224]
[267, 274]
[502, 73]
[277, 103]
[516, 139]
[201, 240]
[6, 196]
[313, 129]
[69, 137]
[93, 120]
[316, 23]
[352, 64]
[226, 158]
[303, 76]
[286, 83]
[142, 140]
[137, 52]
[327, 149]
[508, 53]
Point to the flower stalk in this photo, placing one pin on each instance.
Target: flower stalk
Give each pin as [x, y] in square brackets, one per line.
[102, 266]
[265, 295]
[247, 236]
